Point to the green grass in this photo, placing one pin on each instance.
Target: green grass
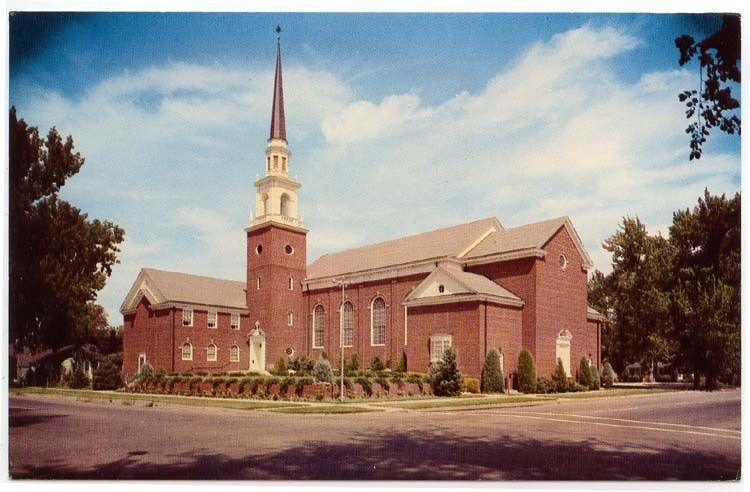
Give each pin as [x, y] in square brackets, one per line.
[326, 409]
[611, 392]
[466, 402]
[171, 400]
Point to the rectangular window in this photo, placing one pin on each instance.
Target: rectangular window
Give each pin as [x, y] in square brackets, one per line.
[257, 283]
[213, 319]
[290, 319]
[187, 317]
[438, 345]
[235, 321]
[291, 283]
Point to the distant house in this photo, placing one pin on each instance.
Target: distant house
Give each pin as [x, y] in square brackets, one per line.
[48, 367]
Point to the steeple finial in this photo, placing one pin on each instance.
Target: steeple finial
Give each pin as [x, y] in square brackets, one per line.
[278, 124]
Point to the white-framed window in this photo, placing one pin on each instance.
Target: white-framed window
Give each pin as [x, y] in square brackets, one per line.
[347, 323]
[141, 361]
[319, 322]
[291, 283]
[187, 317]
[234, 353]
[213, 319]
[235, 321]
[438, 345]
[377, 322]
[211, 352]
[284, 205]
[290, 318]
[562, 260]
[187, 351]
[257, 282]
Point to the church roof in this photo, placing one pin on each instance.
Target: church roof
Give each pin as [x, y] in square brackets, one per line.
[457, 285]
[532, 236]
[278, 123]
[441, 243]
[164, 287]
[593, 314]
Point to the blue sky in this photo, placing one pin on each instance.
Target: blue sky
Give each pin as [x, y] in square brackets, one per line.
[398, 124]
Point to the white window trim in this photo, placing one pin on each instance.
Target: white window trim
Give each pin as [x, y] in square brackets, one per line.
[232, 324]
[187, 310]
[313, 327]
[442, 339]
[291, 283]
[372, 320]
[564, 259]
[216, 320]
[238, 353]
[142, 355]
[182, 351]
[257, 282]
[216, 353]
[290, 318]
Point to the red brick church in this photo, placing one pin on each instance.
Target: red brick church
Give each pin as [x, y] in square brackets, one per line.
[474, 286]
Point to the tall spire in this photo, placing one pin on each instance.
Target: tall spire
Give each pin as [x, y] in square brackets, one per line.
[278, 125]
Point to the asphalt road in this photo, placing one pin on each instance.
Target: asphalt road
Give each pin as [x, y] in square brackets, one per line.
[668, 436]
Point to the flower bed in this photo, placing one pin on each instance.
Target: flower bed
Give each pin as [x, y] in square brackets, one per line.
[280, 388]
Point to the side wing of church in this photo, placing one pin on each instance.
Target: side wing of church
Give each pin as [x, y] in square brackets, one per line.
[476, 286]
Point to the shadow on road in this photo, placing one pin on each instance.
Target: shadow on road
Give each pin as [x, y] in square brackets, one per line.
[423, 455]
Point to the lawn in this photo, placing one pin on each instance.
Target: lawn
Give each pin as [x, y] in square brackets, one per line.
[171, 400]
[610, 392]
[465, 402]
[326, 409]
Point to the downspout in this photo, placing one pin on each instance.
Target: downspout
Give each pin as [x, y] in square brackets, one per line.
[485, 329]
[173, 345]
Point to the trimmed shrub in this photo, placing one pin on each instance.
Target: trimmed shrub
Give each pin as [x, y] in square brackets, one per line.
[575, 387]
[302, 366]
[285, 384]
[383, 382]
[401, 366]
[595, 380]
[107, 376]
[352, 365]
[608, 375]
[445, 377]
[76, 379]
[471, 385]
[559, 378]
[584, 373]
[376, 365]
[322, 371]
[280, 367]
[526, 372]
[415, 378]
[545, 385]
[146, 371]
[366, 385]
[302, 382]
[492, 374]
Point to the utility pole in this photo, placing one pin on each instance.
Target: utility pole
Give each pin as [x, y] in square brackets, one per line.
[341, 331]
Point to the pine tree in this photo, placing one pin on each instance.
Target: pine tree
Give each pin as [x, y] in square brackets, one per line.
[584, 373]
[526, 372]
[445, 376]
[322, 371]
[595, 381]
[280, 368]
[608, 375]
[401, 366]
[560, 377]
[492, 374]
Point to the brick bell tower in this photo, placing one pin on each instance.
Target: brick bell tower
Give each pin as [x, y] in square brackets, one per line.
[276, 249]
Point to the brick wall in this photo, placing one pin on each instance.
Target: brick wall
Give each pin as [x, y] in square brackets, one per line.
[504, 330]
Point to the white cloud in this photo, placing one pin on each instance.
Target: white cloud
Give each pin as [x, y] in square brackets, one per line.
[171, 152]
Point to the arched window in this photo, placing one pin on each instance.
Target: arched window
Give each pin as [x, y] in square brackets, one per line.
[377, 322]
[234, 353]
[562, 350]
[284, 205]
[211, 352]
[319, 323]
[266, 204]
[187, 351]
[347, 322]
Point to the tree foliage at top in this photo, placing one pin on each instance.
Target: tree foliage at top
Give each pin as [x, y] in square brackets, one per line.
[445, 377]
[712, 105]
[59, 259]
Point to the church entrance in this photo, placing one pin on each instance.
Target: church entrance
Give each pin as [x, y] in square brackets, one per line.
[257, 349]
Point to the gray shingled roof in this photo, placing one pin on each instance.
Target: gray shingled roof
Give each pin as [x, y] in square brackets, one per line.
[196, 289]
[440, 243]
[527, 236]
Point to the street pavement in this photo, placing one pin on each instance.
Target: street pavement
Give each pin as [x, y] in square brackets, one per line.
[664, 436]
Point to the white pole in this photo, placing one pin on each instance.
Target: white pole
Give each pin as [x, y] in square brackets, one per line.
[341, 336]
